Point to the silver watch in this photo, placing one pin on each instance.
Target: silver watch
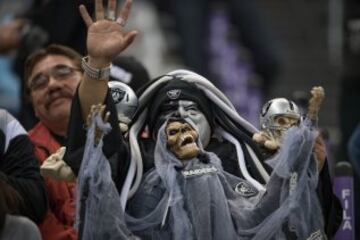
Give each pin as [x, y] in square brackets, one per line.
[94, 73]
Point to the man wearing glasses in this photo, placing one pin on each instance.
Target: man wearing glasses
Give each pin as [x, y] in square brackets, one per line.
[51, 77]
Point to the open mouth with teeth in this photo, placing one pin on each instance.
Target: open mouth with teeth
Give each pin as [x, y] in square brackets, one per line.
[182, 140]
[187, 147]
[187, 140]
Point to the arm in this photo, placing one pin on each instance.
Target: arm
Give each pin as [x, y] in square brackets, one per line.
[106, 39]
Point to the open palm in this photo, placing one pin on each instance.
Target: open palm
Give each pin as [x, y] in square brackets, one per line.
[106, 37]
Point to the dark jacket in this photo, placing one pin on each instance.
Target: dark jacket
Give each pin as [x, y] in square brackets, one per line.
[20, 169]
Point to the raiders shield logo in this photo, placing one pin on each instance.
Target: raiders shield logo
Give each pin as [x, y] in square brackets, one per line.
[174, 94]
[245, 189]
[117, 94]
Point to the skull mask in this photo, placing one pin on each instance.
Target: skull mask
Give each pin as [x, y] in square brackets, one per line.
[181, 140]
[284, 122]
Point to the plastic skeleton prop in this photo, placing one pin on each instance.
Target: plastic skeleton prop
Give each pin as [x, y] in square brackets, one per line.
[182, 140]
[187, 196]
[279, 114]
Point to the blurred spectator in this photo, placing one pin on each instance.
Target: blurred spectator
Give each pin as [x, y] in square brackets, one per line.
[129, 71]
[349, 112]
[350, 82]
[9, 39]
[19, 169]
[192, 19]
[354, 157]
[354, 150]
[45, 22]
[52, 76]
[155, 42]
[14, 226]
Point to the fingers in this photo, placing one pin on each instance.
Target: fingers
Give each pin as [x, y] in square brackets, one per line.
[101, 109]
[106, 118]
[61, 152]
[125, 10]
[91, 113]
[111, 9]
[85, 15]
[98, 109]
[99, 10]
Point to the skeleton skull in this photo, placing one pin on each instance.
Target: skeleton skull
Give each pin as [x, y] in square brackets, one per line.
[181, 140]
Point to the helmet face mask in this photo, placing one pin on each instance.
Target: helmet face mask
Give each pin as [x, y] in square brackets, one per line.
[278, 115]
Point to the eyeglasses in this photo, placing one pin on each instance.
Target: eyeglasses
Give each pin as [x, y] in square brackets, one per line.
[59, 72]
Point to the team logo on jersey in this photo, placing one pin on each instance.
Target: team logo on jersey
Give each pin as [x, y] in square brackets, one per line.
[245, 189]
[174, 94]
[316, 236]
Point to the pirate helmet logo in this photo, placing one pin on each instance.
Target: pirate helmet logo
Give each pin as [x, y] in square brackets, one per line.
[117, 94]
[174, 94]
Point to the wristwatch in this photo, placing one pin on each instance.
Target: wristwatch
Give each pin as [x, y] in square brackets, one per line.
[94, 73]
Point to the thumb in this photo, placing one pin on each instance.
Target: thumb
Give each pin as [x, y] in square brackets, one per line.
[129, 38]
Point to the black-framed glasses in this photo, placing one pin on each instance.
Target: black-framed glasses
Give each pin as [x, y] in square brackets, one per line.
[58, 72]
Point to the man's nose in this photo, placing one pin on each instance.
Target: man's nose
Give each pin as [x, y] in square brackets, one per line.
[52, 83]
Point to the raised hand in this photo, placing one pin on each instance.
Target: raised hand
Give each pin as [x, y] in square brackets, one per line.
[106, 35]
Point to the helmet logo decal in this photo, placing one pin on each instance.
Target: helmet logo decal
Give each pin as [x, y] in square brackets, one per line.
[117, 94]
[174, 94]
[291, 105]
[265, 109]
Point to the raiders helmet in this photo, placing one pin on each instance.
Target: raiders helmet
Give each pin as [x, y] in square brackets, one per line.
[277, 107]
[125, 99]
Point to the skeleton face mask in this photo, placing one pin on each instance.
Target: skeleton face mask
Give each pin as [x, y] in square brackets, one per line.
[182, 140]
[188, 109]
[284, 123]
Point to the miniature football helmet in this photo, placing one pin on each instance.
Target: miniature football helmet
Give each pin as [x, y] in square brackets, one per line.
[279, 114]
[125, 99]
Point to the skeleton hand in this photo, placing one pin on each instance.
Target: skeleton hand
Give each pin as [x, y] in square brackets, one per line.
[317, 98]
[266, 139]
[55, 167]
[98, 110]
[319, 149]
